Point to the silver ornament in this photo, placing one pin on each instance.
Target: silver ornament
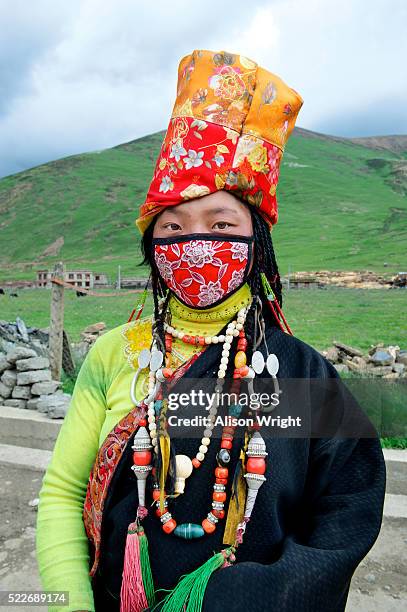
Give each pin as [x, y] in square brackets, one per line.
[141, 472]
[144, 358]
[272, 364]
[156, 360]
[141, 442]
[254, 482]
[256, 446]
[258, 362]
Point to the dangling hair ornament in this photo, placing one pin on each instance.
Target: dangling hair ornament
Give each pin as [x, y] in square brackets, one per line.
[140, 304]
[274, 305]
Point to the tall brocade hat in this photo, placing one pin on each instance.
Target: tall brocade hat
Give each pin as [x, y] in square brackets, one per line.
[228, 129]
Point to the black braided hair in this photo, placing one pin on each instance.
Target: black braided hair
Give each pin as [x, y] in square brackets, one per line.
[264, 261]
[158, 286]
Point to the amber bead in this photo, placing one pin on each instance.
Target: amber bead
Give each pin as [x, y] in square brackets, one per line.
[221, 472]
[256, 465]
[220, 514]
[201, 341]
[240, 359]
[196, 463]
[167, 372]
[219, 496]
[169, 525]
[208, 526]
[226, 444]
[156, 494]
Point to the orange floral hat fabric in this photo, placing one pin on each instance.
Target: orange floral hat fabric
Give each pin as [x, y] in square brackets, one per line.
[228, 129]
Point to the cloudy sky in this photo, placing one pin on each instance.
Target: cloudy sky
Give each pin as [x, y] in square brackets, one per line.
[82, 75]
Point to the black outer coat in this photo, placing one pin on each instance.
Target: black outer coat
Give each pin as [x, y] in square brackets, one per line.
[316, 516]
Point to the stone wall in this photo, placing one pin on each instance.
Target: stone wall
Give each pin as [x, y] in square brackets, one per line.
[386, 361]
[26, 382]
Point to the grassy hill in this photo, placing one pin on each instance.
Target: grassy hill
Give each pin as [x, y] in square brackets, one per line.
[342, 205]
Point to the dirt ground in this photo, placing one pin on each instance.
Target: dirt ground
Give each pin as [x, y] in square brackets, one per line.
[379, 583]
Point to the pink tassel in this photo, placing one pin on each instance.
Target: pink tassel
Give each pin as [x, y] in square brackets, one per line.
[132, 594]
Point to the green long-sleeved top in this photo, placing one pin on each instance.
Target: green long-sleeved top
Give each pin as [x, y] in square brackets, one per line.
[101, 398]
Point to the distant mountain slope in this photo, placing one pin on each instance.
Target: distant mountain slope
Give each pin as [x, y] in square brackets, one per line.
[396, 144]
[342, 206]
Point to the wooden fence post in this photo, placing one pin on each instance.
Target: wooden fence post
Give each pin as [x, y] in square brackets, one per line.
[57, 323]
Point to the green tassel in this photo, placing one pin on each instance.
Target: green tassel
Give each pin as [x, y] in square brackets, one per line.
[146, 568]
[266, 286]
[188, 595]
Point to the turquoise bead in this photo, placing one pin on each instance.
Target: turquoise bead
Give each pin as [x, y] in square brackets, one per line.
[235, 410]
[189, 531]
[158, 404]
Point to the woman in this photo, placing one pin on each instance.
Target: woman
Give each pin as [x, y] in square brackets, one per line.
[138, 512]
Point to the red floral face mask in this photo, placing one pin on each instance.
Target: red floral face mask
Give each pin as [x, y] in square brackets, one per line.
[203, 269]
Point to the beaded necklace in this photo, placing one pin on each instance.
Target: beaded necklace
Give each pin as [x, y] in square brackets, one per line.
[152, 438]
[155, 409]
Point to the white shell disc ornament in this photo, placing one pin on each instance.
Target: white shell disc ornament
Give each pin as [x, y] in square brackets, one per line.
[144, 359]
[272, 364]
[258, 362]
[156, 360]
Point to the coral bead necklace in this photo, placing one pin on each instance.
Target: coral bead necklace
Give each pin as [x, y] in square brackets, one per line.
[156, 420]
[151, 446]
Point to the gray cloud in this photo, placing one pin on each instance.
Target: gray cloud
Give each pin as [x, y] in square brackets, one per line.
[89, 74]
[385, 116]
[28, 31]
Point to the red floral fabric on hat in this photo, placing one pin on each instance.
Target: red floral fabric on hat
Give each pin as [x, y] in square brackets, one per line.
[228, 128]
[199, 158]
[202, 272]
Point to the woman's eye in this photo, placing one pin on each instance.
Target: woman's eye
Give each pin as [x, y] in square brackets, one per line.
[221, 225]
[172, 226]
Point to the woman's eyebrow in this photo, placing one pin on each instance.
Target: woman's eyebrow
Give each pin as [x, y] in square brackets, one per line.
[213, 211]
[223, 210]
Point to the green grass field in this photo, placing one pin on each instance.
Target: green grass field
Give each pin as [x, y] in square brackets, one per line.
[354, 316]
[341, 206]
[359, 317]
